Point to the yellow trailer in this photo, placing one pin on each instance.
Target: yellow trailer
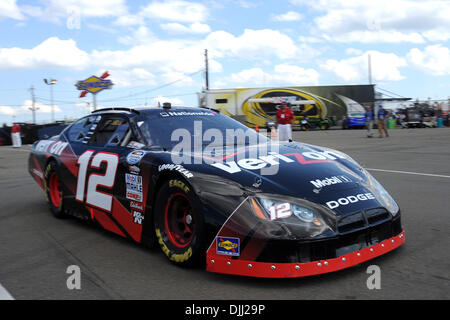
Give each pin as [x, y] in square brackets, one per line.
[259, 106]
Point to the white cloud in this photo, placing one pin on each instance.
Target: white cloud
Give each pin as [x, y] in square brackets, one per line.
[84, 107]
[23, 113]
[9, 9]
[379, 21]
[41, 108]
[376, 36]
[87, 8]
[434, 60]
[176, 78]
[73, 12]
[136, 77]
[129, 20]
[160, 56]
[140, 35]
[132, 77]
[310, 39]
[353, 51]
[438, 34]
[176, 10]
[251, 44]
[287, 17]
[51, 53]
[162, 99]
[281, 75]
[7, 110]
[152, 62]
[385, 67]
[194, 28]
[163, 56]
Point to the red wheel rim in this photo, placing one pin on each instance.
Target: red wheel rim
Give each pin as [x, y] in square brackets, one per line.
[54, 190]
[179, 220]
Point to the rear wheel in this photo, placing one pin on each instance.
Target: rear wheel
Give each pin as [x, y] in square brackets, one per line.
[179, 223]
[53, 190]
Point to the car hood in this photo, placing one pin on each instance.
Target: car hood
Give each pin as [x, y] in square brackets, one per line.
[299, 170]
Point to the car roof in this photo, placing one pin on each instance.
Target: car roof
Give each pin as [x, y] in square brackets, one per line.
[149, 110]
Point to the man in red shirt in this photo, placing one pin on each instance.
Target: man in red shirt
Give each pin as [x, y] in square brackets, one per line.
[15, 136]
[285, 120]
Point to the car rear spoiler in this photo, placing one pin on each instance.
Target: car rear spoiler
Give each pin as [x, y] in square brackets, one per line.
[118, 109]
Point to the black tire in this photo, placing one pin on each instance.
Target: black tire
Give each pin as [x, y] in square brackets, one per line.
[179, 224]
[53, 190]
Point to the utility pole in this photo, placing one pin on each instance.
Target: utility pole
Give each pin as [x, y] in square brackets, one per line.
[370, 68]
[88, 106]
[206, 69]
[33, 107]
[94, 101]
[51, 82]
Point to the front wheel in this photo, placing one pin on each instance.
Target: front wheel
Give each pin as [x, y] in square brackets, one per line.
[179, 223]
[53, 190]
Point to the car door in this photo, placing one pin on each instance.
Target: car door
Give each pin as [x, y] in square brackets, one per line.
[76, 138]
[106, 184]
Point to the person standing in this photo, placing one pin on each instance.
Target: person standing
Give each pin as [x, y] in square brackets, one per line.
[381, 116]
[285, 120]
[369, 121]
[15, 136]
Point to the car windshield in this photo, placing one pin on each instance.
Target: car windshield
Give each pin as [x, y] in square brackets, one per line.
[197, 127]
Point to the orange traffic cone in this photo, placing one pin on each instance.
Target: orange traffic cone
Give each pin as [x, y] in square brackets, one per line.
[256, 128]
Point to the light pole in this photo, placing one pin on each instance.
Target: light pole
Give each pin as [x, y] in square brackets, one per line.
[33, 105]
[51, 82]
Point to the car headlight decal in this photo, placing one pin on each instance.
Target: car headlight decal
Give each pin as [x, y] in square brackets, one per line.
[278, 210]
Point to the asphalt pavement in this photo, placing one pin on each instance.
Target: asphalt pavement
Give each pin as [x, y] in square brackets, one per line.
[37, 250]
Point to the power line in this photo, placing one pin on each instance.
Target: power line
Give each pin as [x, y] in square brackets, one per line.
[154, 97]
[21, 89]
[152, 89]
[59, 101]
[390, 92]
[121, 98]
[64, 102]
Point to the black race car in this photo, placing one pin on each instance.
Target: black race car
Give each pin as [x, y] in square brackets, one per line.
[209, 190]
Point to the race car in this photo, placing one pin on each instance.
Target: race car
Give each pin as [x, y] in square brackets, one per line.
[210, 191]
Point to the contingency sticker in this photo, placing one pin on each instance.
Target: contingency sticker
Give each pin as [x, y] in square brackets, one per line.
[135, 156]
[133, 187]
[138, 217]
[228, 246]
[135, 145]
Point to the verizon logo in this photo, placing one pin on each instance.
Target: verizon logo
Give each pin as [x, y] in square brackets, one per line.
[274, 159]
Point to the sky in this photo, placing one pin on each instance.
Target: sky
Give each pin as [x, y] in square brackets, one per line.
[154, 50]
